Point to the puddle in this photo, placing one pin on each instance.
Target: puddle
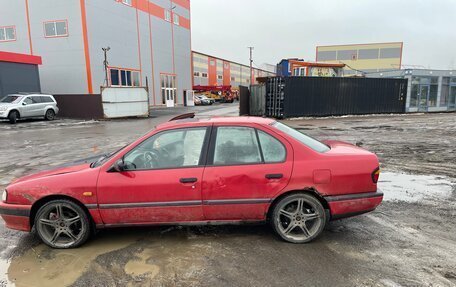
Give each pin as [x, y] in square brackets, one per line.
[43, 266]
[414, 188]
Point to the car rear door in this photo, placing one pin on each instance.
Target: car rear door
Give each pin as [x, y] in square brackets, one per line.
[247, 166]
[165, 193]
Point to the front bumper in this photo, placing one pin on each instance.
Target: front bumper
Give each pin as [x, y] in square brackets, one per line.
[16, 216]
[342, 206]
[3, 114]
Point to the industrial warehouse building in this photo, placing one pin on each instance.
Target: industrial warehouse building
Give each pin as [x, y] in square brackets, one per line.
[428, 90]
[149, 43]
[363, 58]
[213, 71]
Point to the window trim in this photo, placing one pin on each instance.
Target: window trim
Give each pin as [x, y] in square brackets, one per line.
[204, 149]
[125, 2]
[120, 77]
[176, 17]
[212, 143]
[15, 35]
[55, 24]
[168, 17]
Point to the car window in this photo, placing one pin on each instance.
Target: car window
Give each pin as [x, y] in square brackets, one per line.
[273, 149]
[28, 100]
[305, 139]
[236, 145]
[10, 99]
[36, 99]
[169, 149]
[45, 99]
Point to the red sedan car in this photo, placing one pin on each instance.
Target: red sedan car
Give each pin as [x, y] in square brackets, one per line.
[200, 171]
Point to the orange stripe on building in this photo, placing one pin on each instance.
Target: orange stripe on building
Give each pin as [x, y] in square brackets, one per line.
[28, 26]
[226, 73]
[212, 70]
[86, 46]
[183, 3]
[159, 12]
[184, 22]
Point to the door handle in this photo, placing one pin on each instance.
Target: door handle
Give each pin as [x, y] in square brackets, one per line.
[188, 180]
[274, 176]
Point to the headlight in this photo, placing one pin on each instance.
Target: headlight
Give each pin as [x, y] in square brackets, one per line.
[4, 195]
[3, 108]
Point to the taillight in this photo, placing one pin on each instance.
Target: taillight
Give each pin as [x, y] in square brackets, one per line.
[375, 175]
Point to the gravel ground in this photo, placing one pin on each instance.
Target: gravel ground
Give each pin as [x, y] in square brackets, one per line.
[410, 240]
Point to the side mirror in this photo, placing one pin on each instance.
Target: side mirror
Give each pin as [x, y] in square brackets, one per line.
[119, 165]
[24, 103]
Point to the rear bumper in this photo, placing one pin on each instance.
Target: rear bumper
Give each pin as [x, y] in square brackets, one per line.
[16, 216]
[342, 206]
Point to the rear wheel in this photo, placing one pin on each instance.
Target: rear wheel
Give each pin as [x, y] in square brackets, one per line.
[62, 224]
[50, 115]
[13, 116]
[298, 218]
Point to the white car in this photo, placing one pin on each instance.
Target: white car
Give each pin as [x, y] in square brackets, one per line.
[21, 106]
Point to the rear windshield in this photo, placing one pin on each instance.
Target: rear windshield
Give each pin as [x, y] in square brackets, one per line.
[305, 139]
[11, 99]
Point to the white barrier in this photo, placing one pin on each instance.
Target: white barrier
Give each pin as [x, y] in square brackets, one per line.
[121, 102]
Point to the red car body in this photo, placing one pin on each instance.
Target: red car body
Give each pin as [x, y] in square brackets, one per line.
[342, 178]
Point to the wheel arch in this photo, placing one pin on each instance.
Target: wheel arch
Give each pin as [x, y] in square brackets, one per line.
[42, 201]
[15, 110]
[307, 190]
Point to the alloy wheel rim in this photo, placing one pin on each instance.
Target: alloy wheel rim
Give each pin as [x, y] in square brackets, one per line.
[61, 225]
[299, 219]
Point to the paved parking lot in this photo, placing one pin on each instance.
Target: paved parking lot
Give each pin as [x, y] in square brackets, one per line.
[409, 241]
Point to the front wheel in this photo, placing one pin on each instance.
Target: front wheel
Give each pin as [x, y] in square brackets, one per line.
[62, 224]
[12, 117]
[298, 218]
[50, 115]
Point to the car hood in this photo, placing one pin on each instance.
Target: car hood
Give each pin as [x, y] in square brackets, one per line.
[62, 169]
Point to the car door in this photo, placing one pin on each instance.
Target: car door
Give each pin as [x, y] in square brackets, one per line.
[161, 182]
[247, 166]
[26, 109]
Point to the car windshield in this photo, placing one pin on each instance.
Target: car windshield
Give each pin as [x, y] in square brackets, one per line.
[11, 99]
[305, 139]
[104, 158]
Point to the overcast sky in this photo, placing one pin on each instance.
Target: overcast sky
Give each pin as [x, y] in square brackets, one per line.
[293, 28]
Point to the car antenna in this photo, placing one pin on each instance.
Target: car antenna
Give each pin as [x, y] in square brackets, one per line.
[183, 116]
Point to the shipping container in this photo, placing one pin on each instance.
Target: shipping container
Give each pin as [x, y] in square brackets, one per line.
[284, 97]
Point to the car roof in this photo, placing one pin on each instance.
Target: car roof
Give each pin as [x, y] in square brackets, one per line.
[215, 120]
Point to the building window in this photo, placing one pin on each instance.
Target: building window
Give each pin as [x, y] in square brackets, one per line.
[168, 15]
[124, 78]
[56, 29]
[444, 95]
[196, 74]
[204, 75]
[212, 62]
[168, 88]
[233, 79]
[127, 2]
[7, 33]
[220, 77]
[176, 19]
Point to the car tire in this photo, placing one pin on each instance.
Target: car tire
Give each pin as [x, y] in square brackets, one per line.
[298, 218]
[50, 115]
[62, 224]
[13, 116]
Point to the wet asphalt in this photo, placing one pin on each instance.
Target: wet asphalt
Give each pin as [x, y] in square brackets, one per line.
[410, 240]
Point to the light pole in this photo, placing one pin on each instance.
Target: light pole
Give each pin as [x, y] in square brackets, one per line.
[251, 64]
[105, 64]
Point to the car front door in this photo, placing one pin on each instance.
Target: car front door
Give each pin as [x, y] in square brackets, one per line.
[26, 108]
[161, 181]
[246, 167]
